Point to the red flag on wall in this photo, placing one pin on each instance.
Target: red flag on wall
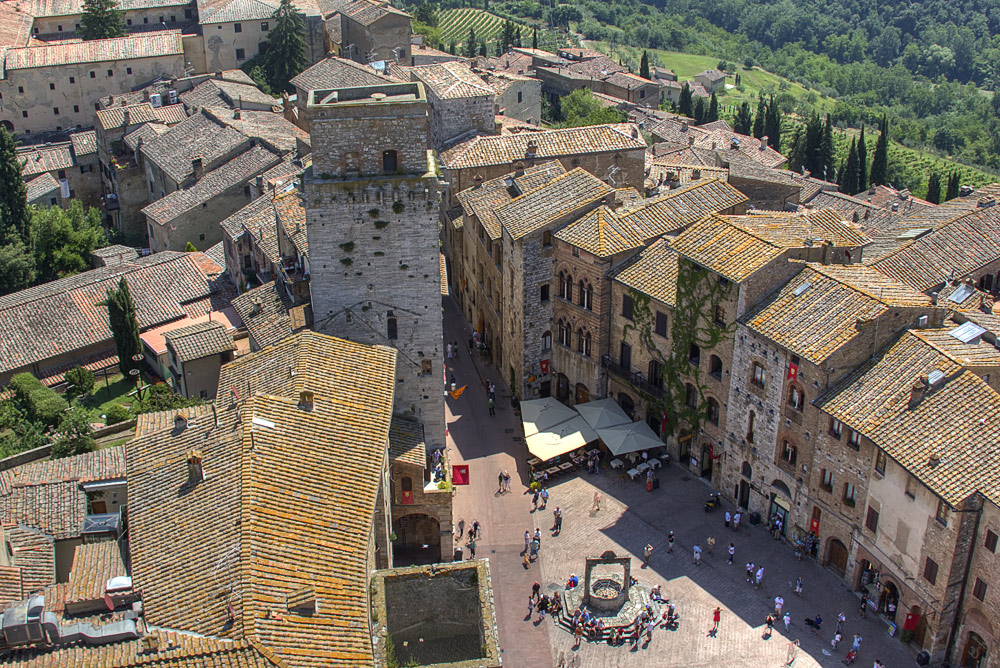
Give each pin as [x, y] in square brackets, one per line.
[460, 474]
[545, 367]
[793, 372]
[407, 499]
[663, 423]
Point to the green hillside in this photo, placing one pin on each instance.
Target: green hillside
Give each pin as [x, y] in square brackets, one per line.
[455, 24]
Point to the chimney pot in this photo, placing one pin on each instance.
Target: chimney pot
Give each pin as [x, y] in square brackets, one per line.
[126, 118]
[260, 184]
[306, 400]
[237, 114]
[197, 167]
[918, 390]
[195, 471]
[180, 421]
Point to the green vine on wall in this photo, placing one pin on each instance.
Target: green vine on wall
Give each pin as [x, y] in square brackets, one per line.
[698, 293]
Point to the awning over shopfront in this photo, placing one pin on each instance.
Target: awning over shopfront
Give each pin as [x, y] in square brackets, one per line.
[539, 414]
[630, 437]
[602, 413]
[561, 438]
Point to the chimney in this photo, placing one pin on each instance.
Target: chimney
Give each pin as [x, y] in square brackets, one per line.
[180, 421]
[477, 181]
[260, 185]
[151, 643]
[195, 471]
[218, 74]
[690, 141]
[532, 148]
[215, 410]
[256, 306]
[306, 400]
[519, 169]
[933, 459]
[237, 114]
[145, 95]
[197, 167]
[111, 100]
[763, 143]
[635, 133]
[126, 118]
[918, 390]
[985, 202]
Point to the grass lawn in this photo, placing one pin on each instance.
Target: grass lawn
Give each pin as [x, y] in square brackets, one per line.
[99, 399]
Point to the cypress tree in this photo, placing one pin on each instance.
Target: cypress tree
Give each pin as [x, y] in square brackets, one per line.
[952, 191]
[862, 162]
[758, 121]
[738, 80]
[508, 35]
[123, 323]
[102, 19]
[517, 37]
[880, 162]
[534, 38]
[849, 176]
[743, 122]
[934, 188]
[814, 141]
[482, 49]
[684, 106]
[713, 110]
[14, 214]
[470, 44]
[772, 124]
[826, 150]
[699, 111]
[286, 52]
[644, 66]
[800, 154]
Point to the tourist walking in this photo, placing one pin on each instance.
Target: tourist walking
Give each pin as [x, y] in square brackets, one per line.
[536, 591]
[492, 407]
[711, 544]
[864, 605]
[779, 603]
[750, 569]
[646, 554]
[472, 548]
[506, 481]
[759, 578]
[461, 528]
[500, 482]
[697, 555]
[451, 351]
[841, 618]
[716, 617]
[527, 540]
[787, 619]
[798, 586]
[736, 521]
[793, 651]
[732, 553]
[534, 499]
[596, 506]
[836, 640]
[729, 518]
[545, 497]
[670, 542]
[557, 517]
[474, 531]
[856, 643]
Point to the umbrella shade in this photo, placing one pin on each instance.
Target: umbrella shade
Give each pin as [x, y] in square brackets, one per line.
[560, 439]
[540, 414]
[602, 413]
[631, 437]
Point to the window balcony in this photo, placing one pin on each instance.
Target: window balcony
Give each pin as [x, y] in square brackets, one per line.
[636, 379]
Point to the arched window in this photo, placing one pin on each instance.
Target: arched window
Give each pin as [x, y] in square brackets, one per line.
[715, 367]
[586, 344]
[566, 286]
[392, 332]
[656, 373]
[690, 396]
[579, 340]
[751, 424]
[564, 333]
[625, 401]
[390, 162]
[796, 398]
[713, 411]
[547, 341]
[746, 470]
[694, 354]
[586, 295]
[789, 453]
[406, 484]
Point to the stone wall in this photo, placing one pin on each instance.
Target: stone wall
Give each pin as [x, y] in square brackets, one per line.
[200, 225]
[522, 100]
[454, 117]
[436, 503]
[767, 195]
[981, 617]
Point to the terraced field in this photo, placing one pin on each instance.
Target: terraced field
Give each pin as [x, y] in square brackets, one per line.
[455, 24]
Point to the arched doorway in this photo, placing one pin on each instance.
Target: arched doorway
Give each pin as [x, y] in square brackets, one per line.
[836, 556]
[625, 401]
[706, 461]
[743, 493]
[888, 600]
[418, 540]
[781, 503]
[974, 654]
[582, 394]
[562, 387]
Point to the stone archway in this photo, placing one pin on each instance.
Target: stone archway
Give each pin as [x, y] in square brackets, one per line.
[975, 651]
[418, 540]
[836, 556]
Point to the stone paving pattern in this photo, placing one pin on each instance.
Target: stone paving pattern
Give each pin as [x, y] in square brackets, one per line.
[629, 518]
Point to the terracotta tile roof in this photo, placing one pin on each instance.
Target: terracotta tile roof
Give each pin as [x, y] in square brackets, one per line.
[718, 137]
[146, 45]
[965, 297]
[93, 565]
[367, 12]
[146, 132]
[333, 72]
[232, 174]
[948, 440]
[506, 149]
[200, 340]
[795, 230]
[264, 311]
[563, 196]
[661, 168]
[988, 321]
[196, 137]
[35, 556]
[955, 249]
[251, 545]
[601, 232]
[11, 588]
[726, 248]
[15, 25]
[84, 143]
[484, 201]
[712, 75]
[63, 316]
[46, 495]
[816, 313]
[272, 129]
[291, 211]
[217, 93]
[114, 117]
[42, 187]
[251, 219]
[652, 272]
[628, 81]
[675, 209]
[235, 11]
[975, 353]
[452, 80]
[406, 441]
[53, 8]
[37, 160]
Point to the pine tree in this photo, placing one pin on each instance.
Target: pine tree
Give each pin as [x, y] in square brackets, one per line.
[286, 50]
[534, 38]
[880, 162]
[713, 110]
[470, 44]
[699, 111]
[934, 188]
[123, 323]
[800, 154]
[849, 176]
[102, 19]
[772, 124]
[644, 65]
[758, 121]
[685, 106]
[862, 162]
[953, 187]
[744, 120]
[826, 149]
[14, 214]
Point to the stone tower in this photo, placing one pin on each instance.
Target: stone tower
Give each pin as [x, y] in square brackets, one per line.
[372, 198]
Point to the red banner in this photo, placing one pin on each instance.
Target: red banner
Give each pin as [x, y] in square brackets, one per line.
[545, 367]
[663, 423]
[814, 526]
[911, 622]
[407, 499]
[460, 474]
[793, 372]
